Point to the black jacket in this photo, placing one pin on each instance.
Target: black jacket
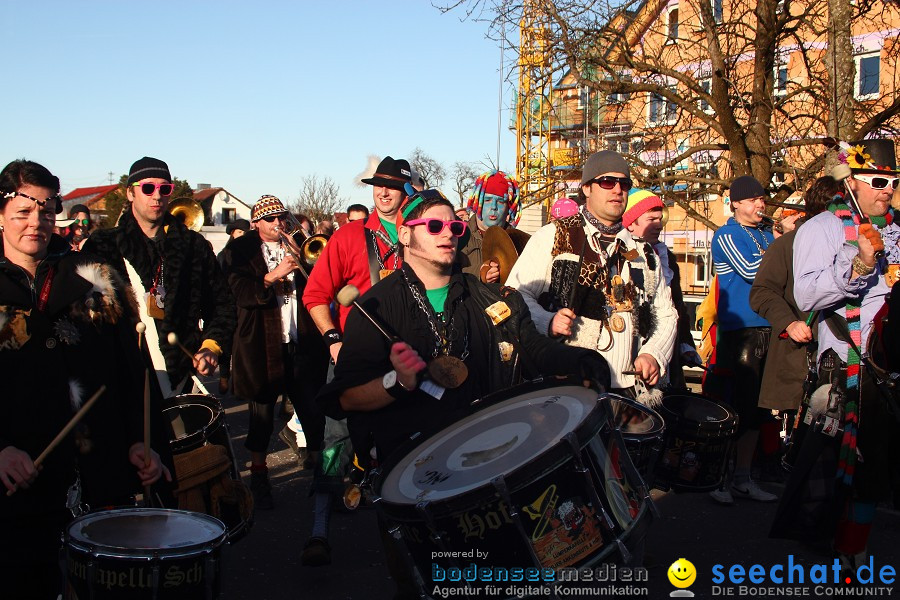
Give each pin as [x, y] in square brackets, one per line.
[365, 354]
[81, 340]
[195, 286]
[257, 349]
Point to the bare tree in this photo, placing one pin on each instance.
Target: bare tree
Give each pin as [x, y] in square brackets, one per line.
[430, 170]
[464, 175]
[698, 93]
[319, 198]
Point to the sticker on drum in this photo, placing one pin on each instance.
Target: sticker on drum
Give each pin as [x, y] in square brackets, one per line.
[492, 441]
[144, 553]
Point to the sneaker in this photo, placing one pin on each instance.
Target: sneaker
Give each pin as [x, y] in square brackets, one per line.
[316, 553]
[262, 490]
[722, 496]
[752, 490]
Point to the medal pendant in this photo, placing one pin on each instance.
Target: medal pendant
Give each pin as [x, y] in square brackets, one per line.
[617, 323]
[384, 273]
[153, 309]
[448, 371]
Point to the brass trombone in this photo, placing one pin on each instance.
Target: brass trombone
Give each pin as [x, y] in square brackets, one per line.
[308, 251]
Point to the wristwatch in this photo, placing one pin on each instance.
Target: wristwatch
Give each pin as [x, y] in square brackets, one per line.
[393, 386]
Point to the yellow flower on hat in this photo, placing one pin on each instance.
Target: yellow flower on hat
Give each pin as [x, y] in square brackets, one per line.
[858, 158]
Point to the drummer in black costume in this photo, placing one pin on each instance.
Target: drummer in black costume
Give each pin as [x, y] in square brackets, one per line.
[481, 334]
[64, 332]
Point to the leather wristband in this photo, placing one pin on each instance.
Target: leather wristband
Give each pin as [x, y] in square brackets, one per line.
[861, 268]
[332, 336]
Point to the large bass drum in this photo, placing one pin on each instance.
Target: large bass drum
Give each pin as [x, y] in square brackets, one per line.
[139, 553]
[536, 477]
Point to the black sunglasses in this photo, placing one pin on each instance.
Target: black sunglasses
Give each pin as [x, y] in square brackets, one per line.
[608, 182]
[273, 218]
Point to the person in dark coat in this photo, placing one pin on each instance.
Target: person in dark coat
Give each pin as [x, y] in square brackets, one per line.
[277, 348]
[175, 276]
[64, 332]
[772, 297]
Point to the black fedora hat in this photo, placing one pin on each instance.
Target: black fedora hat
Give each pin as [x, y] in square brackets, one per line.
[391, 173]
[881, 156]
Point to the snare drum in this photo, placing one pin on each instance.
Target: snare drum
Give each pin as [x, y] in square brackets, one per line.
[642, 429]
[201, 446]
[143, 553]
[698, 439]
[530, 480]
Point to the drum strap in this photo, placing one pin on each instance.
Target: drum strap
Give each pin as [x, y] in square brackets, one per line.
[151, 335]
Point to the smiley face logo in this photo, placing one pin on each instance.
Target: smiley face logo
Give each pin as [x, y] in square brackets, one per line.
[682, 573]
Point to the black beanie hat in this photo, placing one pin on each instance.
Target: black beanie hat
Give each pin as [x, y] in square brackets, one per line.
[147, 168]
[744, 187]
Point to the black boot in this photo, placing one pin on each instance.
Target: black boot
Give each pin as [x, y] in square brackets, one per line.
[262, 490]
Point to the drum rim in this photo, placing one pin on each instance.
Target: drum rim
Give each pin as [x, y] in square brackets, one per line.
[659, 429]
[188, 440]
[523, 475]
[728, 424]
[94, 548]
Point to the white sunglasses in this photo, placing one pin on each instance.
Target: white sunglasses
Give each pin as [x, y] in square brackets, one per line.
[878, 182]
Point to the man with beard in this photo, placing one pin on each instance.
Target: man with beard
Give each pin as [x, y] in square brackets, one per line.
[440, 314]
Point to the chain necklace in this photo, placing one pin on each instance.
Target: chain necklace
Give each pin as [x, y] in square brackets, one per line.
[755, 241]
[442, 345]
[272, 261]
[392, 249]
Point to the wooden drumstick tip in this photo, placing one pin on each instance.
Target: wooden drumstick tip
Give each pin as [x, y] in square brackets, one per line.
[841, 172]
[172, 338]
[347, 295]
[140, 328]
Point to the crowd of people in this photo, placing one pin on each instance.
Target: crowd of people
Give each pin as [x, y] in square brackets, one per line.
[406, 315]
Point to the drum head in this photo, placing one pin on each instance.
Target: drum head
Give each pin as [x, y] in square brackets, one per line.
[697, 409]
[496, 440]
[634, 419]
[137, 530]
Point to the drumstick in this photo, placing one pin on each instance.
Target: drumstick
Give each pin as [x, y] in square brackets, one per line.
[147, 495]
[65, 431]
[347, 297]
[173, 340]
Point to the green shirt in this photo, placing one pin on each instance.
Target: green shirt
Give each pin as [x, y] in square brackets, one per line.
[437, 298]
[391, 229]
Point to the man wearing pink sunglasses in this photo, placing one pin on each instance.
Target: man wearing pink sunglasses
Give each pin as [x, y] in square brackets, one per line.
[474, 338]
[175, 276]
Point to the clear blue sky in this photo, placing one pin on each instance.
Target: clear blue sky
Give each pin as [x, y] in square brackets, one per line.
[250, 96]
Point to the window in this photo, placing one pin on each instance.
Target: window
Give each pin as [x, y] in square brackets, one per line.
[701, 272]
[780, 78]
[624, 145]
[868, 76]
[706, 86]
[228, 215]
[673, 26]
[718, 11]
[661, 111]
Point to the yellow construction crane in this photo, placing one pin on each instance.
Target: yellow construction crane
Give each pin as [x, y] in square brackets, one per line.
[534, 108]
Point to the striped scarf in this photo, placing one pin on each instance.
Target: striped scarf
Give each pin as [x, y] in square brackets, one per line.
[847, 455]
